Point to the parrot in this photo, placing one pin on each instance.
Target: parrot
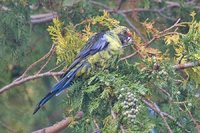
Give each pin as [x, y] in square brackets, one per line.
[97, 53]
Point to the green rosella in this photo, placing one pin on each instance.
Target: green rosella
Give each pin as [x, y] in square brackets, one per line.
[99, 51]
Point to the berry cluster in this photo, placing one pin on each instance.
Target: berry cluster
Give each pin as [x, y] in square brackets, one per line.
[130, 104]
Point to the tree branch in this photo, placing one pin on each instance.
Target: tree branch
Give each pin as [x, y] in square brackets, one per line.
[163, 118]
[23, 80]
[36, 19]
[151, 105]
[41, 18]
[60, 125]
[154, 107]
[186, 65]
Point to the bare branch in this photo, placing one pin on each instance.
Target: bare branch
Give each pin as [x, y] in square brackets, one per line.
[43, 15]
[60, 125]
[23, 80]
[35, 19]
[186, 65]
[56, 127]
[41, 18]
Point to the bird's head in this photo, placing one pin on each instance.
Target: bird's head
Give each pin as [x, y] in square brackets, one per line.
[124, 35]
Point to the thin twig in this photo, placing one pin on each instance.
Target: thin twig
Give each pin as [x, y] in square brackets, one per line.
[180, 59]
[128, 56]
[166, 93]
[44, 65]
[171, 27]
[53, 69]
[173, 119]
[115, 117]
[50, 56]
[97, 129]
[42, 20]
[36, 62]
[55, 78]
[191, 116]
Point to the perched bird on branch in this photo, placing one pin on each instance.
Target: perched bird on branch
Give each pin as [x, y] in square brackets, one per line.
[99, 52]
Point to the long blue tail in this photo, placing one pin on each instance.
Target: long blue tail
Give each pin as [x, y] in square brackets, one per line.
[58, 88]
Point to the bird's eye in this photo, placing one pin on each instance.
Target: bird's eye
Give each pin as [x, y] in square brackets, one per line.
[125, 32]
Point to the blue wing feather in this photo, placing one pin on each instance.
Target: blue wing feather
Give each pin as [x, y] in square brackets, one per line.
[95, 44]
